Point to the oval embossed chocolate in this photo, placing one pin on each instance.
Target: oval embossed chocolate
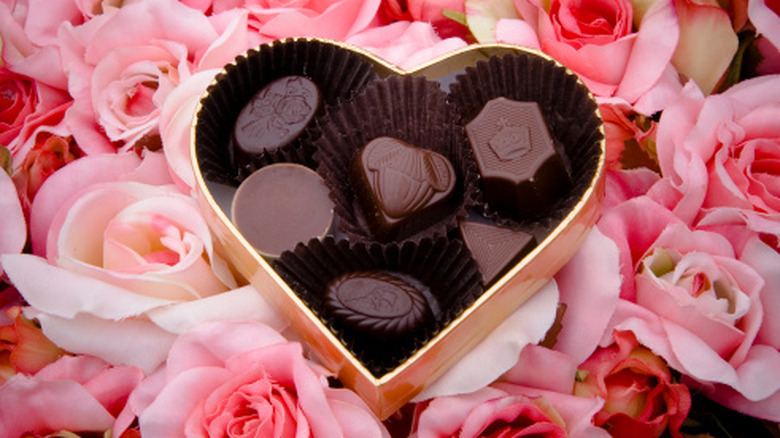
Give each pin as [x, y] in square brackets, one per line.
[377, 303]
[397, 180]
[276, 115]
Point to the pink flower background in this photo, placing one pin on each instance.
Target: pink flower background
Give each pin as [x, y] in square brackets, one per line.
[119, 314]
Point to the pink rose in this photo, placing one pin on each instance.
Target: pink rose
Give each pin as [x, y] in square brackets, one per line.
[49, 153]
[641, 400]
[692, 299]
[722, 151]
[765, 16]
[523, 402]
[123, 64]
[128, 257]
[25, 104]
[435, 12]
[598, 41]
[244, 379]
[405, 44]
[75, 394]
[629, 137]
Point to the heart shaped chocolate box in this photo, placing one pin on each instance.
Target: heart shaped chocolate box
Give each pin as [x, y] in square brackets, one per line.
[410, 212]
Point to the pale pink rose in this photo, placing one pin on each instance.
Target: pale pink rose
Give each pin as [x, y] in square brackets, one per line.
[77, 394]
[598, 42]
[129, 257]
[694, 300]
[721, 151]
[623, 125]
[123, 64]
[245, 379]
[405, 44]
[640, 398]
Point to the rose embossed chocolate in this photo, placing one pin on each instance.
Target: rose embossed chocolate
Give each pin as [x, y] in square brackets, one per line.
[522, 173]
[396, 181]
[377, 304]
[276, 115]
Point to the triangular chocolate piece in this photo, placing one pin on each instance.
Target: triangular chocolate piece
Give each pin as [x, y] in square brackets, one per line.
[495, 248]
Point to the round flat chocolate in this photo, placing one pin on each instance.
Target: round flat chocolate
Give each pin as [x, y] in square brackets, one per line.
[377, 303]
[276, 115]
[280, 205]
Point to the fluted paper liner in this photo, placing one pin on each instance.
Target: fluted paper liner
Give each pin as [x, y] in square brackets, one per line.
[566, 105]
[410, 109]
[444, 269]
[336, 71]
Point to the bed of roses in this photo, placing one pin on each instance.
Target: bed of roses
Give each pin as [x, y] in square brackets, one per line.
[120, 317]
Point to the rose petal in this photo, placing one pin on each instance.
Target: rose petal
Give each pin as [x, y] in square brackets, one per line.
[131, 342]
[244, 303]
[655, 43]
[528, 324]
[558, 370]
[13, 229]
[47, 406]
[168, 414]
[68, 180]
[484, 18]
[707, 42]
[766, 20]
[516, 32]
[66, 294]
[767, 262]
[589, 285]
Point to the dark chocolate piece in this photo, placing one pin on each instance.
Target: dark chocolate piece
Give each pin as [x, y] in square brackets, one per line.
[495, 248]
[276, 115]
[396, 181]
[280, 205]
[377, 303]
[522, 172]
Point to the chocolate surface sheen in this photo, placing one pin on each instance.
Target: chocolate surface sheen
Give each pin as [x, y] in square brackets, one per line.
[280, 205]
[521, 170]
[377, 303]
[276, 115]
[396, 181]
[495, 248]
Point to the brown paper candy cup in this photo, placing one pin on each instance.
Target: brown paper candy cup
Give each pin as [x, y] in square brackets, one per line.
[441, 269]
[336, 71]
[568, 108]
[415, 111]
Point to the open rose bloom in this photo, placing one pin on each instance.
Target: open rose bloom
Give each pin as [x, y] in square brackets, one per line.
[244, 379]
[697, 303]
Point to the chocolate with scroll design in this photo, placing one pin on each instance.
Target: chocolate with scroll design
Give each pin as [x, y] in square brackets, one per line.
[377, 303]
[397, 181]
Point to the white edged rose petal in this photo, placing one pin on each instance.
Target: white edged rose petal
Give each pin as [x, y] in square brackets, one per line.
[132, 341]
[482, 17]
[242, 304]
[527, 325]
[67, 294]
[175, 124]
[707, 42]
